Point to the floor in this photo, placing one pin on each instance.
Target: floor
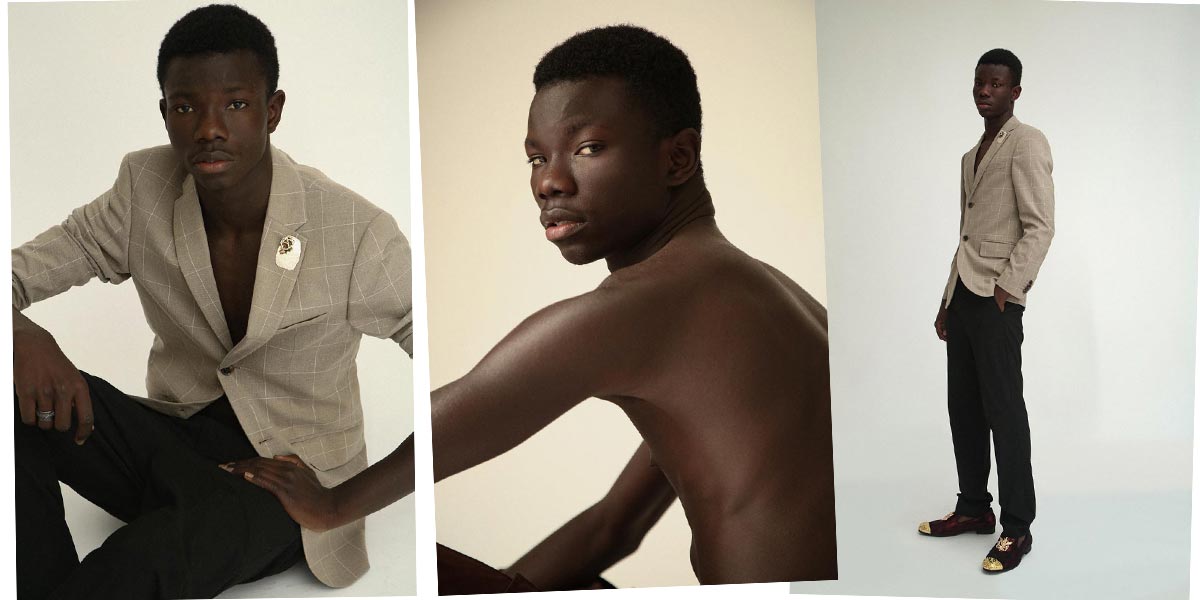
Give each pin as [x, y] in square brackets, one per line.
[1086, 545]
[390, 543]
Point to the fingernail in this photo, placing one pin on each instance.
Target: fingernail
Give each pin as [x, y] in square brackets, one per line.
[249, 475]
[80, 441]
[226, 467]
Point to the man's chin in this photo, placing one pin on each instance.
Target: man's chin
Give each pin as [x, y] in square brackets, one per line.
[578, 256]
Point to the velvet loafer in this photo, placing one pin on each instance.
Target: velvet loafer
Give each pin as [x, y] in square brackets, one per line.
[1007, 553]
[951, 525]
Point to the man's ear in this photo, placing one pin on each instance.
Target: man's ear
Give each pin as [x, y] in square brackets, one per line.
[683, 155]
[1016, 92]
[162, 108]
[275, 110]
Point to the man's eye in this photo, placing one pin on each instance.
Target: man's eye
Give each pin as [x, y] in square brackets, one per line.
[183, 108]
[590, 149]
[536, 160]
[238, 105]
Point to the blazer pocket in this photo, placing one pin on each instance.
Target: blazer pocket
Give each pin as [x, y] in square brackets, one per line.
[329, 450]
[304, 321]
[992, 249]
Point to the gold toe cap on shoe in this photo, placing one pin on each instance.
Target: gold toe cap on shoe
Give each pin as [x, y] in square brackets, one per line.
[991, 564]
[924, 528]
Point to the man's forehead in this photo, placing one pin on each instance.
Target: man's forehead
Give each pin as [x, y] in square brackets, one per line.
[992, 71]
[239, 67]
[575, 104]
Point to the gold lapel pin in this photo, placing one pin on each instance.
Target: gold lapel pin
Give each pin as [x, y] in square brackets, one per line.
[288, 255]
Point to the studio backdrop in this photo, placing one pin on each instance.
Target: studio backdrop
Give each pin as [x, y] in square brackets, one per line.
[489, 265]
[1109, 347]
[83, 93]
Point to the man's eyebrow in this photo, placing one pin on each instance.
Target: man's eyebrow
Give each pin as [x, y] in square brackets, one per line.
[577, 125]
[233, 89]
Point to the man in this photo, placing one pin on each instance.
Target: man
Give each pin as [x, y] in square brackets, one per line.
[718, 359]
[258, 277]
[1007, 205]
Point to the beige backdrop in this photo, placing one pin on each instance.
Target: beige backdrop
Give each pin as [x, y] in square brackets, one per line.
[489, 265]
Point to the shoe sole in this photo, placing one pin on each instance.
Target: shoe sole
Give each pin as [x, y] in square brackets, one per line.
[989, 531]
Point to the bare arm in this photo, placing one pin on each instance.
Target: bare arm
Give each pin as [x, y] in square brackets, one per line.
[536, 373]
[581, 550]
[556, 359]
[45, 380]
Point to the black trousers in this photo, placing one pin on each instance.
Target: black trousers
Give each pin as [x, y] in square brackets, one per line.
[983, 355]
[192, 530]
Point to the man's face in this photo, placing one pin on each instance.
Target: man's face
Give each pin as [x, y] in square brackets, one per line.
[598, 172]
[994, 91]
[219, 117]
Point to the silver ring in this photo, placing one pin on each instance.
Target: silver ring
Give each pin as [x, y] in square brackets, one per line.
[45, 415]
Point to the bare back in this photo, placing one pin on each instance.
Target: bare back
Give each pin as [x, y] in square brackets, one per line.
[719, 360]
[736, 409]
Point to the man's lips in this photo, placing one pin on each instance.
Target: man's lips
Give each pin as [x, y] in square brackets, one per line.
[562, 230]
[212, 162]
[560, 223]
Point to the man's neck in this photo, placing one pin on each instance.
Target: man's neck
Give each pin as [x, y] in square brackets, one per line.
[689, 203]
[992, 125]
[239, 210]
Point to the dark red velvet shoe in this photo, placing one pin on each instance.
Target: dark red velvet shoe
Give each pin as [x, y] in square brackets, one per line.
[951, 525]
[1007, 553]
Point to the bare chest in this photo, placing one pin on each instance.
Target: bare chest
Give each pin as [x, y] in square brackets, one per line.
[982, 152]
[235, 261]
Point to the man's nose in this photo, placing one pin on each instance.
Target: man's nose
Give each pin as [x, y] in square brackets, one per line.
[211, 125]
[555, 178]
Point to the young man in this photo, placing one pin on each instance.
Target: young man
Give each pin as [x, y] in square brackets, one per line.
[719, 360]
[1007, 206]
[258, 277]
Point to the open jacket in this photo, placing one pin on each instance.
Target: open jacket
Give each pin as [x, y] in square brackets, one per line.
[291, 380]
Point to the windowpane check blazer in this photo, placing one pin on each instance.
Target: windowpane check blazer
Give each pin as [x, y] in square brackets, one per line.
[1007, 214]
[291, 380]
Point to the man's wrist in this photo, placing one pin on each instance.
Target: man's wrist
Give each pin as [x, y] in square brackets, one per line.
[335, 515]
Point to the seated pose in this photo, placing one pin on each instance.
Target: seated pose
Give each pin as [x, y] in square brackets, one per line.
[258, 277]
[718, 359]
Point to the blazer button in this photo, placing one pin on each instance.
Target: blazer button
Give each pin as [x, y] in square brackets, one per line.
[965, 238]
[970, 205]
[226, 370]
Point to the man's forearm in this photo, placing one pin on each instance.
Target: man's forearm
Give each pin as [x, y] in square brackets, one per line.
[23, 325]
[376, 487]
[575, 555]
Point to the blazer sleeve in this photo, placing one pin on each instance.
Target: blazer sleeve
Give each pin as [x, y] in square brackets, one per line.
[380, 295]
[1034, 189]
[92, 242]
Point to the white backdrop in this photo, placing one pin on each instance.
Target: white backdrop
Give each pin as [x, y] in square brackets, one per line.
[1109, 349]
[84, 93]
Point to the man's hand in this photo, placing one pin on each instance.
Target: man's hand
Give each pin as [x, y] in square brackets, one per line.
[939, 323]
[48, 386]
[1001, 297]
[309, 503]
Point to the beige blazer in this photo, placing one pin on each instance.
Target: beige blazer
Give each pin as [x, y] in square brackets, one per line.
[291, 379]
[1007, 209]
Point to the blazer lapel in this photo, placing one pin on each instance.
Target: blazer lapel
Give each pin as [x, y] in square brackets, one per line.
[1001, 137]
[191, 250]
[273, 282]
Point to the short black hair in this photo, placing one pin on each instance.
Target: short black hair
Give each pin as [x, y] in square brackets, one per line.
[219, 29]
[1000, 56]
[658, 74]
